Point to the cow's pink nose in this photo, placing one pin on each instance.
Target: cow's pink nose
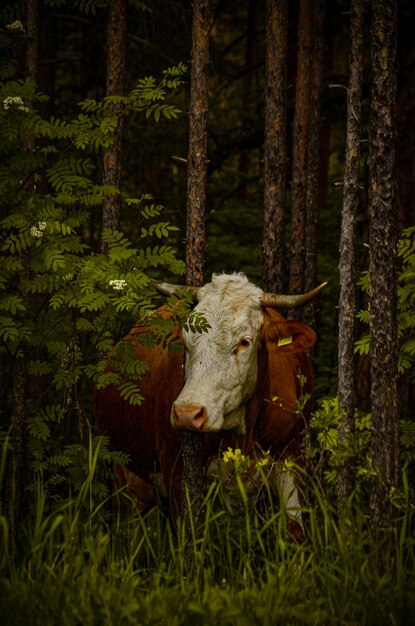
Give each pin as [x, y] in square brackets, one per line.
[189, 416]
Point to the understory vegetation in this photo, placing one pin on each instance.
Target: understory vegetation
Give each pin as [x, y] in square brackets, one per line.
[81, 558]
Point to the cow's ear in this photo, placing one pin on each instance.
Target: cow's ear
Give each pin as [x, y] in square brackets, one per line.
[287, 335]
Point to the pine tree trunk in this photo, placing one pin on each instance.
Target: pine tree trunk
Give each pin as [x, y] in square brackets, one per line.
[193, 471]
[197, 154]
[347, 303]
[47, 61]
[245, 158]
[300, 145]
[275, 146]
[116, 45]
[32, 47]
[313, 156]
[17, 465]
[406, 128]
[17, 462]
[382, 263]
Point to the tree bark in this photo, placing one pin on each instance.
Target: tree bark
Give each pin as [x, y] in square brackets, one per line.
[406, 128]
[116, 46]
[245, 156]
[275, 146]
[300, 145]
[383, 262]
[314, 155]
[347, 300]
[32, 47]
[193, 470]
[17, 463]
[197, 154]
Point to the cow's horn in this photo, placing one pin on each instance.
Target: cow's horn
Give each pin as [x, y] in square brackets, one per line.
[290, 302]
[170, 289]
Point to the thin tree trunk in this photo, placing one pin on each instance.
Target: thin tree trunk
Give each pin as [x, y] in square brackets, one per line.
[313, 157]
[245, 156]
[32, 47]
[47, 61]
[300, 145]
[116, 46]
[192, 444]
[17, 465]
[383, 262]
[275, 146]
[347, 301]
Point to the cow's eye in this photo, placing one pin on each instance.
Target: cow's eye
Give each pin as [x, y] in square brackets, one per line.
[244, 343]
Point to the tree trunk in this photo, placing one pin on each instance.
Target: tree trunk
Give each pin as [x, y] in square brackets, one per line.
[383, 262]
[193, 471]
[406, 128]
[116, 45]
[47, 61]
[313, 156]
[17, 465]
[250, 96]
[347, 300]
[32, 57]
[300, 145]
[275, 146]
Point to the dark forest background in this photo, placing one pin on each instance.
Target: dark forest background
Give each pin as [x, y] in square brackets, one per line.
[73, 281]
[72, 68]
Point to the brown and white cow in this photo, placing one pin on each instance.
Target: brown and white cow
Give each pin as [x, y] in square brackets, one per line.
[238, 384]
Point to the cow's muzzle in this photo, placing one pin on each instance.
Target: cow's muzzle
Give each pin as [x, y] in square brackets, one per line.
[189, 416]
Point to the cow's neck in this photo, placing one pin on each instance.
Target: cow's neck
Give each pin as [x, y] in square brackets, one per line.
[256, 405]
[236, 420]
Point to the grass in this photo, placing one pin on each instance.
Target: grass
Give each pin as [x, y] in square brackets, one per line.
[84, 563]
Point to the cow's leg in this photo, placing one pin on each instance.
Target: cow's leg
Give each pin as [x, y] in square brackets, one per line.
[140, 491]
[289, 499]
[171, 466]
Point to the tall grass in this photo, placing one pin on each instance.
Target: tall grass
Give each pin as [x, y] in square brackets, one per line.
[75, 565]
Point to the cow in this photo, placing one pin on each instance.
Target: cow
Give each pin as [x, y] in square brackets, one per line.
[238, 384]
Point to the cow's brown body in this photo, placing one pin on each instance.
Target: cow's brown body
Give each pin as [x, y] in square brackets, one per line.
[272, 420]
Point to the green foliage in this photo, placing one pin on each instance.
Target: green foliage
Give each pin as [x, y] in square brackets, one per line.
[146, 97]
[63, 303]
[406, 301]
[406, 305]
[91, 7]
[56, 463]
[327, 453]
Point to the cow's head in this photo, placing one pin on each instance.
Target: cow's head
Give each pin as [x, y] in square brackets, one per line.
[221, 364]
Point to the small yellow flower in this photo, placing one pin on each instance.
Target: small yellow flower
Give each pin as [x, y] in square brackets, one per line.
[228, 455]
[288, 464]
[264, 460]
[240, 461]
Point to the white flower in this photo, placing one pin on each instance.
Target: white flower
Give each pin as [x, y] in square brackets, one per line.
[16, 26]
[118, 284]
[36, 233]
[14, 102]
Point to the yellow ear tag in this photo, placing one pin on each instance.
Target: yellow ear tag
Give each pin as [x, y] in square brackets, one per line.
[284, 341]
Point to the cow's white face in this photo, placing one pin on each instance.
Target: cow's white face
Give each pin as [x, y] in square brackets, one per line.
[221, 365]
